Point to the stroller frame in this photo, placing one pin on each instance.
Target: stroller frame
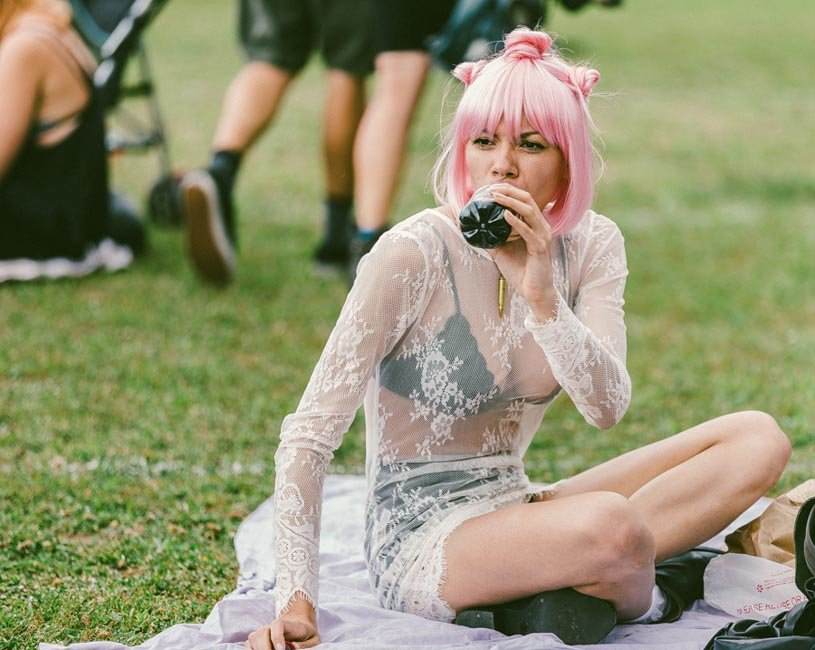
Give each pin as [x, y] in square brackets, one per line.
[113, 31]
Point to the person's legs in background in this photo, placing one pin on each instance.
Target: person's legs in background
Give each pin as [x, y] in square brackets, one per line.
[344, 103]
[402, 64]
[347, 49]
[277, 39]
[278, 36]
[381, 143]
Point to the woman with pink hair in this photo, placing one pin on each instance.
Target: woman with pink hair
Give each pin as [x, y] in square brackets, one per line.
[456, 352]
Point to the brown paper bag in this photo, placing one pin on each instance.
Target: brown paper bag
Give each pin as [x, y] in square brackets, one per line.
[770, 536]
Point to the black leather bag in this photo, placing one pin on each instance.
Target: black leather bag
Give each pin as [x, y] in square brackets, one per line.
[791, 630]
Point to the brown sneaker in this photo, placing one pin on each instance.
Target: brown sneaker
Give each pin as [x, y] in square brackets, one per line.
[207, 216]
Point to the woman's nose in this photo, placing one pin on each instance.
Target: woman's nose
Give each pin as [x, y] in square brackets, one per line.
[504, 164]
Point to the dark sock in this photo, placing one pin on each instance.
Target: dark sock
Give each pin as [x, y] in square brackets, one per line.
[224, 167]
[225, 164]
[337, 217]
[370, 234]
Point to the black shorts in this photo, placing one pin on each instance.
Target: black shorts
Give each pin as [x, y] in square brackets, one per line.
[285, 32]
[406, 24]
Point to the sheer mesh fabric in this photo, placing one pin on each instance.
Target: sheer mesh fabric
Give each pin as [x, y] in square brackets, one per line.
[453, 395]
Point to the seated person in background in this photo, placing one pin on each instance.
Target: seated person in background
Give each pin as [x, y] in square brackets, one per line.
[54, 200]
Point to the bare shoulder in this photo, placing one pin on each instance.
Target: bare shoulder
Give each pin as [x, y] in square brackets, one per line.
[25, 53]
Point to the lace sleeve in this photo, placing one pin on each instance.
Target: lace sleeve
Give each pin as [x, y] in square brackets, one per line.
[586, 348]
[381, 305]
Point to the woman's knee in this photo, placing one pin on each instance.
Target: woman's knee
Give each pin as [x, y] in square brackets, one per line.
[622, 543]
[767, 445]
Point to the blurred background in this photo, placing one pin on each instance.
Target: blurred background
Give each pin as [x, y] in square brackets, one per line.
[139, 413]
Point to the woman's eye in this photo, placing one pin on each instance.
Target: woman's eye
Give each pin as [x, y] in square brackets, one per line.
[482, 142]
[532, 146]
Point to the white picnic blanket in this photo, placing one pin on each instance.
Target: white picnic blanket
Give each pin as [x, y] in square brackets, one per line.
[349, 616]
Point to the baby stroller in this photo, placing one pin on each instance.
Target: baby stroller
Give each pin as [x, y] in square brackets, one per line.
[112, 29]
[477, 27]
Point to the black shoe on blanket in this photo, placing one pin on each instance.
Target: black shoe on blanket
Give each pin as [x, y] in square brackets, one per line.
[805, 549]
[681, 580]
[573, 617]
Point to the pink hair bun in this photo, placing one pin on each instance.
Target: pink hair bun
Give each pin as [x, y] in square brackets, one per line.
[584, 78]
[467, 72]
[524, 43]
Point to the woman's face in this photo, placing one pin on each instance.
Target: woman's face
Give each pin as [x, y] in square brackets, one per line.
[528, 162]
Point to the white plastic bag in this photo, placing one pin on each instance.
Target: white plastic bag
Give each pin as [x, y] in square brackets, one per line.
[750, 587]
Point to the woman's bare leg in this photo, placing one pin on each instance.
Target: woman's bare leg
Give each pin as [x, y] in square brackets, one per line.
[680, 491]
[595, 542]
[691, 485]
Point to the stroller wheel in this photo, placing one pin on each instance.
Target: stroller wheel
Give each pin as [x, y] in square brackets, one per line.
[164, 201]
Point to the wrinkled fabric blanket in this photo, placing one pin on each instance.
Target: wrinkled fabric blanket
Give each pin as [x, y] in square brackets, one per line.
[349, 616]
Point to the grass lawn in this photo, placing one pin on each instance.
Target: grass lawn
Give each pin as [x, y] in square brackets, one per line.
[139, 413]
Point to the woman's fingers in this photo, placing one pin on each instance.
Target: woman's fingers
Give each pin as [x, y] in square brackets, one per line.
[293, 631]
[535, 243]
[519, 225]
[259, 640]
[522, 204]
[311, 643]
[277, 634]
[510, 203]
[274, 636]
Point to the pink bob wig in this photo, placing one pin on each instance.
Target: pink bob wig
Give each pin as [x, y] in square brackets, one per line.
[527, 79]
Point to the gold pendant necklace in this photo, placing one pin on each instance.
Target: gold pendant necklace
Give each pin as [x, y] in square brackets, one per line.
[502, 295]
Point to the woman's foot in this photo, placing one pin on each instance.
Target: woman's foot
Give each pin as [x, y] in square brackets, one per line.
[681, 579]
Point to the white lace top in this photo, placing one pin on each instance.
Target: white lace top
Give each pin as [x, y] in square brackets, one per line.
[442, 377]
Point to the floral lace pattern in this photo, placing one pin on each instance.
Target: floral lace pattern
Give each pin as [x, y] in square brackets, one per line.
[453, 395]
[507, 334]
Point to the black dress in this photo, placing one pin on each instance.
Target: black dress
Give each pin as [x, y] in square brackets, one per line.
[54, 199]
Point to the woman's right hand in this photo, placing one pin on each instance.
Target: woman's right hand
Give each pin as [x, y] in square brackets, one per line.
[294, 629]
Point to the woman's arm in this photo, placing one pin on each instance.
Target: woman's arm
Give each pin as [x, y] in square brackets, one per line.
[586, 348]
[387, 296]
[22, 66]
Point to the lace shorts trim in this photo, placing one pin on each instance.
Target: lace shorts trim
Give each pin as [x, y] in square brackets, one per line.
[424, 562]
[408, 570]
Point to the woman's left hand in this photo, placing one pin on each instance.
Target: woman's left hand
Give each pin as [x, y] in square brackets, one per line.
[525, 261]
